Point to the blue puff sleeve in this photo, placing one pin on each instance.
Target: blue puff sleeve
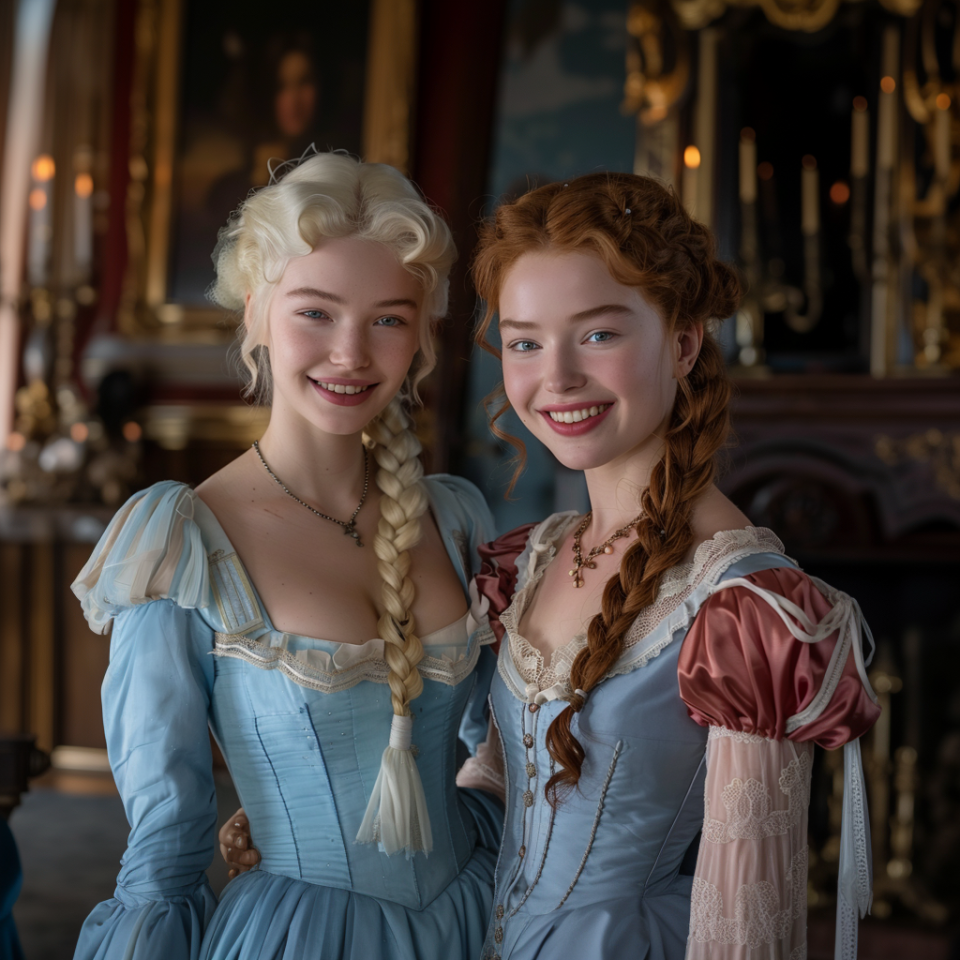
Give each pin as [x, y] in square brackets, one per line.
[156, 697]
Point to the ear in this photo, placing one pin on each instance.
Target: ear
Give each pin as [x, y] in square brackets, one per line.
[687, 343]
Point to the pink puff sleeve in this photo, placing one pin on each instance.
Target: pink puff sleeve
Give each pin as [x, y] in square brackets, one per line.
[497, 578]
[772, 665]
[740, 667]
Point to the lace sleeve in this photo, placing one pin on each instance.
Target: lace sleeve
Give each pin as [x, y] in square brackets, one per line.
[749, 889]
[485, 770]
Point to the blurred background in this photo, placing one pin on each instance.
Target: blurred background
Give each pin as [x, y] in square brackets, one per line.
[819, 139]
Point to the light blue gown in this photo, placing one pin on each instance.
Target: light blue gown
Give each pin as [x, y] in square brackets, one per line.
[610, 872]
[302, 724]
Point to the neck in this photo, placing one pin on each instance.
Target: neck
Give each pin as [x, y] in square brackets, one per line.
[321, 468]
[615, 488]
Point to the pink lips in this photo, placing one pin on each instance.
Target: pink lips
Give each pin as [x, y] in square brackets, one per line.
[575, 429]
[343, 399]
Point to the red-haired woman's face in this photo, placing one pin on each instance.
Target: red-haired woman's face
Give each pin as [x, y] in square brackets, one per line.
[587, 362]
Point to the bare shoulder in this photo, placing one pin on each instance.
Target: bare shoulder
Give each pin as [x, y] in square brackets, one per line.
[224, 491]
[713, 513]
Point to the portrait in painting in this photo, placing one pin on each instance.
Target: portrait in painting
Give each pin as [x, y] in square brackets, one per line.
[255, 91]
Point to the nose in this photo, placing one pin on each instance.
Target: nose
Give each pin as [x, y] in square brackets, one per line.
[350, 349]
[562, 373]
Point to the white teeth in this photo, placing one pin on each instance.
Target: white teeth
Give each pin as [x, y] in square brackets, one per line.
[575, 416]
[341, 388]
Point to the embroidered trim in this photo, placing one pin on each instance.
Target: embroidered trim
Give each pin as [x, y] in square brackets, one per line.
[748, 804]
[710, 560]
[758, 916]
[233, 592]
[373, 668]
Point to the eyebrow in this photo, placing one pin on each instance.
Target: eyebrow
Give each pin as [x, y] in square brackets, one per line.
[335, 298]
[603, 309]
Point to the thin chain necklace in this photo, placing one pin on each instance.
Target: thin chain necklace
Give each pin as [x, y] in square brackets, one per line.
[349, 526]
[581, 564]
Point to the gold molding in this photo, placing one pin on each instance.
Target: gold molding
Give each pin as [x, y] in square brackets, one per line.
[806, 15]
[146, 310]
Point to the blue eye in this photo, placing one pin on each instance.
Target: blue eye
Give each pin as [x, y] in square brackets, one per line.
[523, 346]
[390, 322]
[314, 314]
[601, 336]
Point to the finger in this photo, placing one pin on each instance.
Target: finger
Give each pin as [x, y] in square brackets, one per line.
[250, 858]
[232, 873]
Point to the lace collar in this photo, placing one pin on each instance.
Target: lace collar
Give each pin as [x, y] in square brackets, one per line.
[551, 675]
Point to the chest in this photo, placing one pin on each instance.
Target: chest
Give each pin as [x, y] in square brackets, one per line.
[315, 581]
[558, 610]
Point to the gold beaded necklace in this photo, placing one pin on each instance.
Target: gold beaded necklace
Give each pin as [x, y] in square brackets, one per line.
[581, 564]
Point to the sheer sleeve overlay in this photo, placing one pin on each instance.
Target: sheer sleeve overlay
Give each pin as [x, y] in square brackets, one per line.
[772, 665]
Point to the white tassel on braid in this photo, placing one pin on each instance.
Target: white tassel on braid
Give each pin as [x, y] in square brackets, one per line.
[396, 816]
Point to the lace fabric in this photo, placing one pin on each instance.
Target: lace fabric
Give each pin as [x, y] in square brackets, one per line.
[749, 890]
[676, 587]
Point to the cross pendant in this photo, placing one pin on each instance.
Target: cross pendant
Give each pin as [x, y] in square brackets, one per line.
[349, 530]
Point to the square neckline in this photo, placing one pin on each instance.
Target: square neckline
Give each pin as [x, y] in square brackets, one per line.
[220, 534]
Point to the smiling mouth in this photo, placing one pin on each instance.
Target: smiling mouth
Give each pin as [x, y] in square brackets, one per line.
[342, 388]
[575, 416]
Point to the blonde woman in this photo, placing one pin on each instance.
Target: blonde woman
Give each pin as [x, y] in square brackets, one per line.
[309, 604]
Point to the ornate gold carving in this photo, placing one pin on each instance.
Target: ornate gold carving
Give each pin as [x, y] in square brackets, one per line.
[658, 60]
[940, 450]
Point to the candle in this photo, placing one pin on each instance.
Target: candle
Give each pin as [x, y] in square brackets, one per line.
[810, 196]
[941, 137]
[691, 166]
[887, 113]
[860, 143]
[748, 166]
[40, 231]
[83, 225]
[705, 121]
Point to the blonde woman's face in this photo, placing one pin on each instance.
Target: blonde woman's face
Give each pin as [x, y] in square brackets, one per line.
[342, 331]
[587, 362]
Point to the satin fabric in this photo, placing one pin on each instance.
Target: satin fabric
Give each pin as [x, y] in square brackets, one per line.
[741, 669]
[303, 761]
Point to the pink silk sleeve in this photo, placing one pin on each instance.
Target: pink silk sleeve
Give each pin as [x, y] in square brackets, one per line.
[497, 578]
[741, 669]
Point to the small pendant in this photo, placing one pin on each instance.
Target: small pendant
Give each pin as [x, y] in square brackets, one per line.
[350, 531]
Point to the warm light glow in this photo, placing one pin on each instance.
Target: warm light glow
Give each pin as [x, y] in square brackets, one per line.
[860, 104]
[748, 135]
[839, 193]
[79, 432]
[132, 431]
[43, 168]
[809, 163]
[691, 157]
[16, 441]
[38, 199]
[888, 84]
[943, 101]
[83, 185]
[765, 170]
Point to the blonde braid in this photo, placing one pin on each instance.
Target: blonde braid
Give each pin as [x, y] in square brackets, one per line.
[404, 501]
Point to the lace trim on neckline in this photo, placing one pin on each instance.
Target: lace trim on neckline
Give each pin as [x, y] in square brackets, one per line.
[709, 561]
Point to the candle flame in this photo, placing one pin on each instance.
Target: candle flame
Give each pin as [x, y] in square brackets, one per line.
[748, 135]
[943, 101]
[43, 168]
[860, 104]
[38, 199]
[840, 193]
[83, 185]
[132, 431]
[765, 170]
[691, 157]
[888, 84]
[809, 162]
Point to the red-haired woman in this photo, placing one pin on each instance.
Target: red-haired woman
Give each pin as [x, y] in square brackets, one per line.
[664, 669]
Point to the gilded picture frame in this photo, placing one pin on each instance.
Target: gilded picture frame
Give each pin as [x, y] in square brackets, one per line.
[155, 302]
